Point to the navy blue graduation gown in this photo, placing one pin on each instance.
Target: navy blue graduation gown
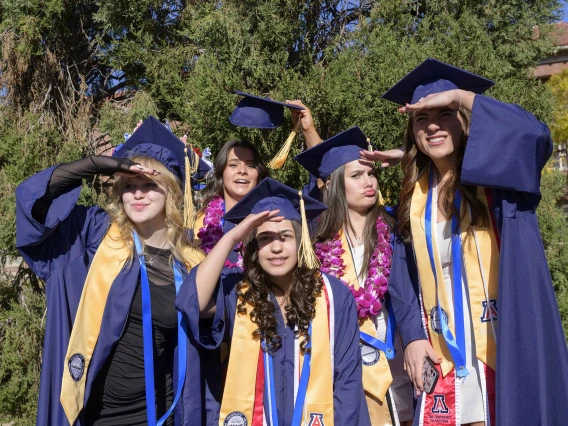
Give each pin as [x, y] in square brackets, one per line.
[60, 252]
[506, 151]
[350, 407]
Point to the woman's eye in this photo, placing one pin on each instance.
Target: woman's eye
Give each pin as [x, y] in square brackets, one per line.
[251, 166]
[355, 176]
[232, 165]
[151, 185]
[128, 186]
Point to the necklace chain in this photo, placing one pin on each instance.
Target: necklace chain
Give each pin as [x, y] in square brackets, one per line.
[151, 261]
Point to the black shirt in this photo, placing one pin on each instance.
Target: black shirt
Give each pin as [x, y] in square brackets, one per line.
[118, 396]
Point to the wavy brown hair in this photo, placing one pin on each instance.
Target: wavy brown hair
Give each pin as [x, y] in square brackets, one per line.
[177, 236]
[215, 186]
[301, 308]
[415, 162]
[332, 220]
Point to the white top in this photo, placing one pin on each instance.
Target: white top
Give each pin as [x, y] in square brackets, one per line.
[401, 387]
[470, 395]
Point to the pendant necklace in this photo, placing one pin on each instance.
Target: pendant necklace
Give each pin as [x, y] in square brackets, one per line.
[151, 261]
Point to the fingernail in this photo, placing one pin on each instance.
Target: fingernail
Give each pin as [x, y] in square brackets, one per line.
[157, 172]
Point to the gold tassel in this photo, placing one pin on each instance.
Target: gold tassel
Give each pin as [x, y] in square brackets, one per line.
[380, 198]
[188, 209]
[370, 146]
[280, 158]
[306, 254]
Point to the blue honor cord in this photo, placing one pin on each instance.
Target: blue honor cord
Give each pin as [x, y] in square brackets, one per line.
[147, 332]
[456, 346]
[387, 347]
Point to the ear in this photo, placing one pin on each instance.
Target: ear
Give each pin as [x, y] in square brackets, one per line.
[327, 184]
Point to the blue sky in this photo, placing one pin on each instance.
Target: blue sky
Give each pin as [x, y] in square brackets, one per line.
[565, 19]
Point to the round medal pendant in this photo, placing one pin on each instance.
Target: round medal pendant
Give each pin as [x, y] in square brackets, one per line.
[369, 355]
[236, 418]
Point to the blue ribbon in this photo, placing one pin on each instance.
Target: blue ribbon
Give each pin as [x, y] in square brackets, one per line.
[457, 345]
[149, 341]
[302, 387]
[387, 347]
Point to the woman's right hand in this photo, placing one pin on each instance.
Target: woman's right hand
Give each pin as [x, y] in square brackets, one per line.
[137, 170]
[243, 230]
[414, 355]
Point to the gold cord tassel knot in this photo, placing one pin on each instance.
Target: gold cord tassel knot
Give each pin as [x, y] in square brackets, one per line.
[306, 254]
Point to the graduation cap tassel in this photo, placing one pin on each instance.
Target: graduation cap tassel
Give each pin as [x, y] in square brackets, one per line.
[380, 198]
[280, 158]
[188, 209]
[306, 254]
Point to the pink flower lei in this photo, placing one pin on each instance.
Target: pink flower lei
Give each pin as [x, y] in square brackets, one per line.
[371, 295]
[212, 230]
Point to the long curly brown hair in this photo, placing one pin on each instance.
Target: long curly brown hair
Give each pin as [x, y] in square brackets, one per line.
[300, 310]
[414, 163]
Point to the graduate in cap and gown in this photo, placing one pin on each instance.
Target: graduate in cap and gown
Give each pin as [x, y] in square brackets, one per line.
[238, 168]
[294, 340]
[470, 284]
[353, 244]
[115, 349]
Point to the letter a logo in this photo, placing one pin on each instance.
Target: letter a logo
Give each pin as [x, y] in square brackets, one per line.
[440, 404]
[489, 311]
[316, 419]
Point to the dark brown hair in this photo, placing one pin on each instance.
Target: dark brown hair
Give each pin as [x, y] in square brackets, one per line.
[332, 220]
[414, 163]
[301, 309]
[215, 186]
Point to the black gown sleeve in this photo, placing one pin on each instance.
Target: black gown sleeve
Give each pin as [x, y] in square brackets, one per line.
[68, 175]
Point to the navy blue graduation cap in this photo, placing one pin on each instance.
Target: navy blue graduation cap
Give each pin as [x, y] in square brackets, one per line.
[155, 140]
[293, 205]
[260, 113]
[322, 159]
[433, 76]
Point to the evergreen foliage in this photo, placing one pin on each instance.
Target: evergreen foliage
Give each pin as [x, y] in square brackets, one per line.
[74, 74]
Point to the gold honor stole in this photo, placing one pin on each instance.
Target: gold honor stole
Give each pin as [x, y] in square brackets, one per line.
[377, 376]
[482, 308]
[105, 267]
[244, 366]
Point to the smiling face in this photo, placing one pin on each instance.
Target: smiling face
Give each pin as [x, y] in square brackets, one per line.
[240, 175]
[360, 185]
[144, 201]
[438, 133]
[277, 249]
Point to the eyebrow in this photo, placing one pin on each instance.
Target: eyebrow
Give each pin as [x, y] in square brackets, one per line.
[274, 232]
[238, 159]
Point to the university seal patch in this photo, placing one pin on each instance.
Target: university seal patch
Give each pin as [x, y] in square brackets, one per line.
[236, 418]
[76, 366]
[369, 354]
[435, 320]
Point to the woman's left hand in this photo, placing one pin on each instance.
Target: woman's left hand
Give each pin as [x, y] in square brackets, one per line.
[389, 158]
[450, 99]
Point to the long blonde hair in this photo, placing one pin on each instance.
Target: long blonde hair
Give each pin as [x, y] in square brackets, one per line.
[414, 162]
[177, 235]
